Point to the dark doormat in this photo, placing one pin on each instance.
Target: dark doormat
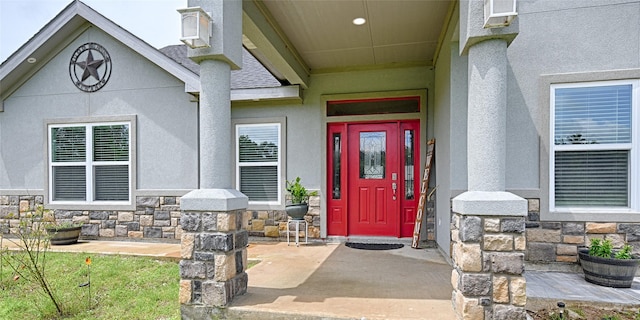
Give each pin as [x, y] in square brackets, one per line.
[374, 246]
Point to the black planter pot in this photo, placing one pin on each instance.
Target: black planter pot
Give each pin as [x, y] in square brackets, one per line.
[297, 211]
[63, 236]
[608, 272]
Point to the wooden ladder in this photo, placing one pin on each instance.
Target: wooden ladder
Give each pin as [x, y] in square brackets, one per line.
[423, 194]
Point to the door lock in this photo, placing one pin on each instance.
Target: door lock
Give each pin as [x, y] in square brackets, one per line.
[394, 187]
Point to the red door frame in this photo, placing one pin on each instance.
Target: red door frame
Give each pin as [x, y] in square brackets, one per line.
[337, 199]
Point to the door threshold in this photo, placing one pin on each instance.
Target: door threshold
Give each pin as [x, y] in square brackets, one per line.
[369, 239]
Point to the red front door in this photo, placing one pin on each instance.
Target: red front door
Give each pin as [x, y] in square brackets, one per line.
[365, 162]
[373, 179]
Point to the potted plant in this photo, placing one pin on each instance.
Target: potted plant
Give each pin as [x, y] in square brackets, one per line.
[604, 266]
[61, 233]
[299, 199]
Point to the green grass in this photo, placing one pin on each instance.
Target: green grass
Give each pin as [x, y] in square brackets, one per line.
[122, 287]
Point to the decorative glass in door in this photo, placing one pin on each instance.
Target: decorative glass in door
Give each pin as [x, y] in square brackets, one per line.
[372, 154]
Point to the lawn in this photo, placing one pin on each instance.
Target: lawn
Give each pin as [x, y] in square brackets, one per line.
[122, 287]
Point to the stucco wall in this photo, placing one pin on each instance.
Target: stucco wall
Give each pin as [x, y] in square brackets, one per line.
[166, 130]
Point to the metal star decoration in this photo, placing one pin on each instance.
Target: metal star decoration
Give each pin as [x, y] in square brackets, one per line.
[90, 67]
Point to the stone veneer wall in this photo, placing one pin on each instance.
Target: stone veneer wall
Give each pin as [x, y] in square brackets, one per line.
[154, 217]
[556, 241]
[273, 223]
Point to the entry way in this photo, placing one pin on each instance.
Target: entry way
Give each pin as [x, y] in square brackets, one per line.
[372, 172]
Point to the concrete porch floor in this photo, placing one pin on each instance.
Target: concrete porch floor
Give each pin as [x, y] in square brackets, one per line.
[332, 281]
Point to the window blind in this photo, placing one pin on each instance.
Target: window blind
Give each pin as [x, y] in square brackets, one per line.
[69, 183]
[592, 138]
[111, 183]
[258, 143]
[259, 183]
[111, 143]
[68, 144]
[592, 178]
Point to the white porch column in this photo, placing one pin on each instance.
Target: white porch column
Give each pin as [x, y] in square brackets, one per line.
[215, 124]
[214, 243]
[486, 127]
[487, 235]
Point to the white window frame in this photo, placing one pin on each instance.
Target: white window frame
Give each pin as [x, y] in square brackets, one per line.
[280, 123]
[89, 164]
[634, 147]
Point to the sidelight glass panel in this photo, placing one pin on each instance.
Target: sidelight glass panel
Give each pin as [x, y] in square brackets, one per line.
[409, 178]
[336, 165]
[373, 147]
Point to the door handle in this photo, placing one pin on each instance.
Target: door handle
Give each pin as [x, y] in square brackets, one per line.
[394, 187]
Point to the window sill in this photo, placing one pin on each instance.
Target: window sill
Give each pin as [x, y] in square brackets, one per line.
[593, 215]
[95, 206]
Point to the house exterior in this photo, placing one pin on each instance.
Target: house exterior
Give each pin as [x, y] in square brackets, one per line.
[117, 146]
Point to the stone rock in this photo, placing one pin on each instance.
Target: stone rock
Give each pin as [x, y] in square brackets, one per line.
[468, 256]
[187, 244]
[631, 229]
[210, 221]
[109, 224]
[533, 205]
[597, 227]
[215, 294]
[541, 252]
[543, 235]
[190, 221]
[573, 228]
[475, 284]
[184, 296]
[192, 269]
[152, 232]
[257, 225]
[121, 230]
[204, 256]
[125, 216]
[500, 289]
[215, 242]
[98, 215]
[577, 240]
[271, 231]
[161, 215]
[455, 279]
[151, 202]
[470, 229]
[91, 230]
[566, 249]
[491, 225]
[616, 239]
[520, 243]
[508, 312]
[551, 225]
[226, 221]
[132, 226]
[242, 239]
[225, 267]
[169, 200]
[567, 258]
[146, 221]
[510, 263]
[518, 288]
[512, 225]
[24, 206]
[4, 200]
[107, 233]
[498, 242]
[135, 234]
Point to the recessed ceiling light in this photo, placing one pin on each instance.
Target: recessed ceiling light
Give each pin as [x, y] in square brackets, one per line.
[359, 21]
[31, 60]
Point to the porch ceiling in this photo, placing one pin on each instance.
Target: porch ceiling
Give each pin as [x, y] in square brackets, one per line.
[319, 35]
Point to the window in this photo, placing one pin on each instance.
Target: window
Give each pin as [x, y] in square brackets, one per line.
[90, 163]
[259, 162]
[594, 162]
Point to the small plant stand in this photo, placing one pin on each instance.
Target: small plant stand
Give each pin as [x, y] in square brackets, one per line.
[306, 231]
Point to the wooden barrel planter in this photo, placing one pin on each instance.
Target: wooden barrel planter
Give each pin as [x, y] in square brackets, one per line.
[608, 272]
[63, 236]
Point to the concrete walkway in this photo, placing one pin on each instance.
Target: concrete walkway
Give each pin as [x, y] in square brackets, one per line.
[331, 281]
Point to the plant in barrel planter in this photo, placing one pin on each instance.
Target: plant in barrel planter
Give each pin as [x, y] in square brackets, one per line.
[62, 233]
[299, 199]
[604, 266]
